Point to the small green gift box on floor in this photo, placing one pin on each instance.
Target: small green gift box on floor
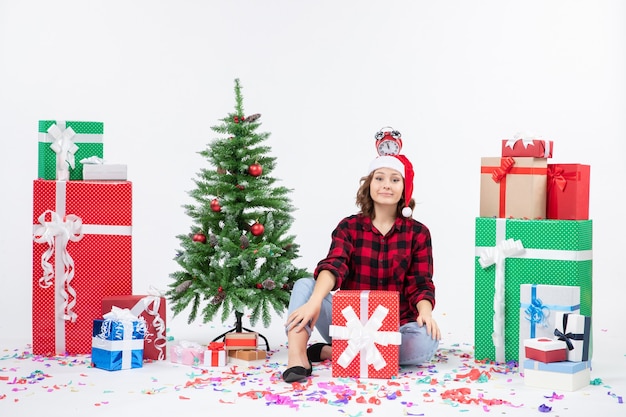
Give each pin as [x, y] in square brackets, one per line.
[511, 252]
[69, 142]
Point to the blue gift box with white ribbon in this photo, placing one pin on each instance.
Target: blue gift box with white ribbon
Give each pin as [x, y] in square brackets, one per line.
[117, 343]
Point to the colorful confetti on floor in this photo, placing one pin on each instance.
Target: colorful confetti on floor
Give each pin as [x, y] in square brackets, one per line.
[453, 381]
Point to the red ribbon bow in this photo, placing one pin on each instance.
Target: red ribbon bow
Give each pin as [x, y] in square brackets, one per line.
[505, 167]
[216, 346]
[555, 176]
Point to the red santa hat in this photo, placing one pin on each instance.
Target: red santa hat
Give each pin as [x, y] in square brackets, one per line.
[401, 164]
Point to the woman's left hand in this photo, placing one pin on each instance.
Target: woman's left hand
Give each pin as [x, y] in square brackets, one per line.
[425, 318]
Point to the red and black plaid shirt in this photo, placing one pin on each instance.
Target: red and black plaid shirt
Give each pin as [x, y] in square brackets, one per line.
[363, 259]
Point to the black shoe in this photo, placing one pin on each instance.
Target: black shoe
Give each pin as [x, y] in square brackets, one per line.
[314, 352]
[297, 373]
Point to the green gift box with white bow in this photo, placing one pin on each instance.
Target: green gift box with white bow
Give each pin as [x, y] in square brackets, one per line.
[512, 252]
[63, 144]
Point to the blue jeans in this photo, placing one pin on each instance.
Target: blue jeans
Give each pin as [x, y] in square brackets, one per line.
[417, 347]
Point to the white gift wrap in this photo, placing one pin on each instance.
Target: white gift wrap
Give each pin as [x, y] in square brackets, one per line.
[104, 172]
[575, 331]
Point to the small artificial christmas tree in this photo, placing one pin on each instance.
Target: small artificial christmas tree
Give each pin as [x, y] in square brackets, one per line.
[239, 253]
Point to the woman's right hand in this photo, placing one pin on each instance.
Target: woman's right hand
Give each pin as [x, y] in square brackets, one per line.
[308, 313]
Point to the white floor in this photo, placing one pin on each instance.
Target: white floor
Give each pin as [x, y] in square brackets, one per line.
[70, 387]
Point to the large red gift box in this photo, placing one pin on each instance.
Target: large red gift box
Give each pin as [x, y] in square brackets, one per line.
[82, 252]
[513, 187]
[152, 309]
[365, 332]
[568, 192]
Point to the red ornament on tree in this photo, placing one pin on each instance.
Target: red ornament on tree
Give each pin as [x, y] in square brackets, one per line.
[257, 229]
[241, 187]
[259, 286]
[255, 169]
[199, 237]
[215, 205]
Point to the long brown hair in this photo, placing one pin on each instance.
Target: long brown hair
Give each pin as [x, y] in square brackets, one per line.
[365, 203]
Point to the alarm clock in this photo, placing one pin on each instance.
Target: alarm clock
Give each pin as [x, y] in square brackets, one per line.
[388, 141]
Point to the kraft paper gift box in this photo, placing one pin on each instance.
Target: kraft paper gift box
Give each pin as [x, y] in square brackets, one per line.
[512, 252]
[82, 252]
[247, 354]
[187, 353]
[568, 191]
[365, 332]
[117, 341]
[215, 354]
[241, 340]
[151, 308]
[513, 187]
[538, 309]
[63, 144]
[105, 172]
[535, 148]
[557, 376]
[545, 350]
[575, 331]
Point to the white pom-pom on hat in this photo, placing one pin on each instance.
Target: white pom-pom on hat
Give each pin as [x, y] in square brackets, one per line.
[401, 164]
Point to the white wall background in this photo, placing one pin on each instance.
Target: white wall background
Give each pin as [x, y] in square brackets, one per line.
[455, 77]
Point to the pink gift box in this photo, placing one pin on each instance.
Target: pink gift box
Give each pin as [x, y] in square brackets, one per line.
[187, 353]
[545, 350]
[365, 331]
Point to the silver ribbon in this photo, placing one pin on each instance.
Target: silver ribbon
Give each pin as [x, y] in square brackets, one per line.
[56, 234]
[65, 149]
[497, 256]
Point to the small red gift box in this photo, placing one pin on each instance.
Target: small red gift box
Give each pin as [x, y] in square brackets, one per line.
[365, 332]
[241, 340]
[215, 355]
[545, 350]
[152, 309]
[535, 148]
[82, 252]
[568, 192]
[513, 187]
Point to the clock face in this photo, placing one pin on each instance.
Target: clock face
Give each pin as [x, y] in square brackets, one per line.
[388, 147]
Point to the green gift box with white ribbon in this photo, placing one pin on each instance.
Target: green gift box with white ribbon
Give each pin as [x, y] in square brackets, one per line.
[63, 144]
[512, 252]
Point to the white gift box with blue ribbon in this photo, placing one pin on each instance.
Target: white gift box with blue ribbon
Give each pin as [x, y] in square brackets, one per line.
[118, 341]
[539, 305]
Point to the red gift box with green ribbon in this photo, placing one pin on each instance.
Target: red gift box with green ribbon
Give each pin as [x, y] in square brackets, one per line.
[82, 252]
[568, 191]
